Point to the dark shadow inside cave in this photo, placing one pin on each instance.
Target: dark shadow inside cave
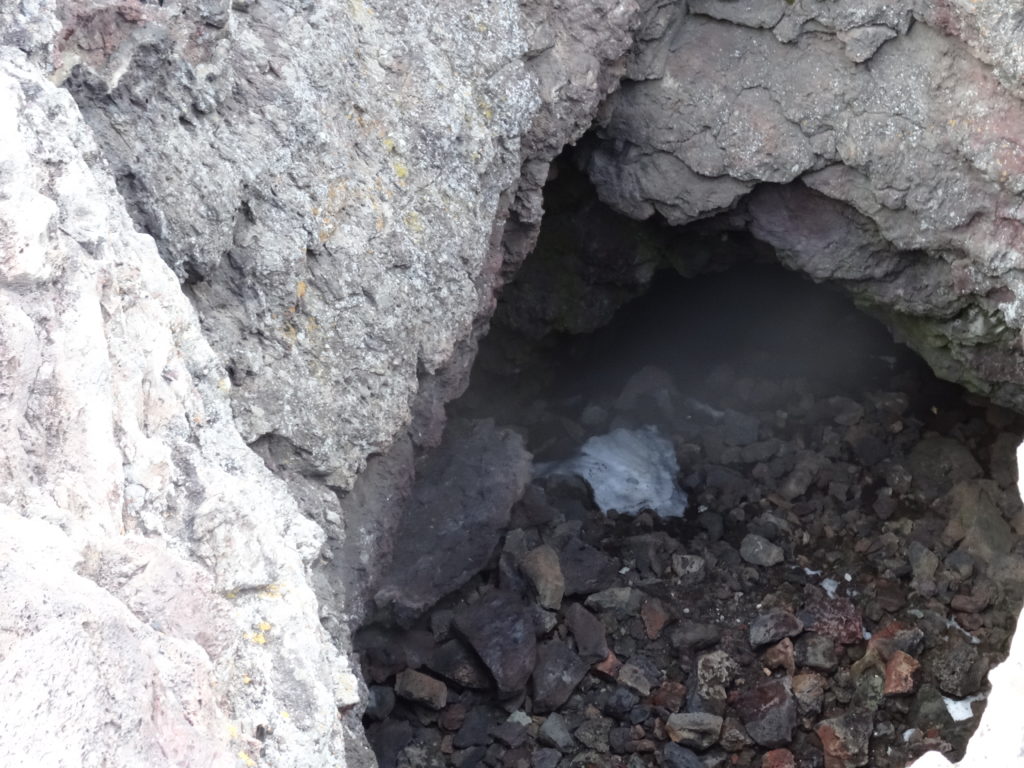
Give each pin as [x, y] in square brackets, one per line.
[847, 569]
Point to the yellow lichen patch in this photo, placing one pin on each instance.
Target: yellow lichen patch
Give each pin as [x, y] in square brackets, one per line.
[244, 757]
[246, 680]
[285, 715]
[414, 221]
[300, 289]
[389, 144]
[264, 626]
[401, 170]
[224, 385]
[233, 732]
[256, 637]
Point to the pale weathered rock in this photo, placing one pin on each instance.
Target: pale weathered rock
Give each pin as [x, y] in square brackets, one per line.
[543, 570]
[156, 602]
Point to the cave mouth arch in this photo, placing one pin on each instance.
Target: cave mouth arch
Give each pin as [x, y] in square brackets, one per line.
[841, 580]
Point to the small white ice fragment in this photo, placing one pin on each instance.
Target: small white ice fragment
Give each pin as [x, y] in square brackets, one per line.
[908, 734]
[830, 586]
[811, 572]
[629, 471]
[624, 571]
[866, 635]
[847, 577]
[960, 709]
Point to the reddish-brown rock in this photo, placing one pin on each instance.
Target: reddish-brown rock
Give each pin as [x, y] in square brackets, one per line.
[901, 673]
[778, 758]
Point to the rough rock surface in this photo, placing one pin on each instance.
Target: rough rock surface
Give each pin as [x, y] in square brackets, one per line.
[156, 604]
[455, 516]
[340, 187]
[901, 140]
[329, 182]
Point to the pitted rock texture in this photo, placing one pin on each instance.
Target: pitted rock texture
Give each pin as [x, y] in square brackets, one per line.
[330, 181]
[908, 141]
[156, 606]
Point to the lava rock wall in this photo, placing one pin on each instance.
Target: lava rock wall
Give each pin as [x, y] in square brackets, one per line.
[872, 144]
[339, 187]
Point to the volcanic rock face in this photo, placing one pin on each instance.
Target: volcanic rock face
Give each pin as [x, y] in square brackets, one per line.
[155, 602]
[340, 187]
[908, 166]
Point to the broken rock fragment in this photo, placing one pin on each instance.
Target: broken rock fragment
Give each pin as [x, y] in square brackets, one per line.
[588, 632]
[768, 712]
[696, 730]
[459, 508]
[845, 740]
[541, 567]
[556, 675]
[499, 629]
[773, 626]
[421, 689]
[757, 550]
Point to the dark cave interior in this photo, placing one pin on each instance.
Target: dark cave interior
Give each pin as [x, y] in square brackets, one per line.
[841, 581]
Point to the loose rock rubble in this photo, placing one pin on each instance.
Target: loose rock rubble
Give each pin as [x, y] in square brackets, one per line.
[848, 570]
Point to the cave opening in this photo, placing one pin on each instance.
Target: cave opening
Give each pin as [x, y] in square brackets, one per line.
[693, 510]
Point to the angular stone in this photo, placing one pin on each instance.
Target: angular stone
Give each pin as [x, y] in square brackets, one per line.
[556, 675]
[774, 625]
[499, 628]
[845, 740]
[958, 668]
[675, 756]
[594, 733]
[554, 733]
[475, 730]
[655, 616]
[734, 736]
[690, 569]
[900, 674]
[635, 678]
[697, 730]
[669, 695]
[939, 463]
[609, 667]
[781, 656]
[695, 636]
[896, 636]
[455, 662]
[715, 671]
[817, 652]
[421, 689]
[778, 758]
[835, 617]
[585, 569]
[588, 632]
[510, 733]
[809, 691]
[542, 568]
[380, 702]
[615, 599]
[768, 712]
[757, 550]
[545, 758]
[454, 519]
[975, 512]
